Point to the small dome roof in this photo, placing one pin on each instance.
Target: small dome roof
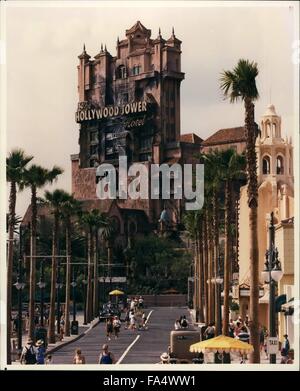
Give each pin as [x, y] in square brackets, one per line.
[270, 110]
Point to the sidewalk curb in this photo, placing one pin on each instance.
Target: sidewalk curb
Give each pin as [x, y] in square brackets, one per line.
[56, 348]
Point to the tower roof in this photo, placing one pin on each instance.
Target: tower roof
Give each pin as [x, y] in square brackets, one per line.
[270, 110]
[138, 26]
[84, 54]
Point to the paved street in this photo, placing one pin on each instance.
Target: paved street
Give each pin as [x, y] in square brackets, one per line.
[147, 348]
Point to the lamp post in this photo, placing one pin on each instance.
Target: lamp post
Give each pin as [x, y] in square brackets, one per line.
[59, 285]
[74, 324]
[272, 274]
[219, 282]
[41, 284]
[19, 286]
[74, 284]
[84, 282]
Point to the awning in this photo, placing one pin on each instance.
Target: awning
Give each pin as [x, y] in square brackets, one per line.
[279, 301]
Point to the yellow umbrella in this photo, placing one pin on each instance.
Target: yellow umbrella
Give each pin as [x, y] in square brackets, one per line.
[116, 292]
[221, 344]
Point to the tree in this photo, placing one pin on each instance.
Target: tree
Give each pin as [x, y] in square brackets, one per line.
[231, 168]
[70, 207]
[240, 84]
[92, 221]
[55, 200]
[193, 224]
[16, 163]
[35, 177]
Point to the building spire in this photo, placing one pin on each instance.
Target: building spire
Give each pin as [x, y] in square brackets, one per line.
[159, 32]
[101, 47]
[173, 33]
[105, 49]
[84, 48]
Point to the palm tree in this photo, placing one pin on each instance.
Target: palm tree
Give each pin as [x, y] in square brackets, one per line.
[15, 165]
[35, 177]
[91, 222]
[231, 169]
[55, 200]
[69, 208]
[193, 224]
[240, 84]
[213, 184]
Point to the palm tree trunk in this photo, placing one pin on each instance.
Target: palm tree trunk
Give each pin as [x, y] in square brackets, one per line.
[89, 284]
[68, 278]
[12, 215]
[205, 269]
[32, 263]
[96, 282]
[225, 330]
[200, 269]
[210, 271]
[195, 295]
[51, 329]
[216, 258]
[250, 130]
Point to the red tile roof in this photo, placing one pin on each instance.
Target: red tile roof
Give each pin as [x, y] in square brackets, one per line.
[226, 136]
[190, 138]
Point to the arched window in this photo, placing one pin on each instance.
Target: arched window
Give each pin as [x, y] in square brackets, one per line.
[268, 129]
[121, 72]
[279, 165]
[266, 165]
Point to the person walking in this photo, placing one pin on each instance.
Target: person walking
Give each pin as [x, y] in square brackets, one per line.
[141, 302]
[285, 349]
[116, 326]
[40, 352]
[132, 320]
[106, 357]
[78, 358]
[127, 320]
[28, 355]
[243, 336]
[109, 328]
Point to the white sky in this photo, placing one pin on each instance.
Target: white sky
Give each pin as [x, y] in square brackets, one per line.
[43, 45]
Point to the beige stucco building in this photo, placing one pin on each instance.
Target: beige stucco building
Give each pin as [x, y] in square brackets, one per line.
[275, 194]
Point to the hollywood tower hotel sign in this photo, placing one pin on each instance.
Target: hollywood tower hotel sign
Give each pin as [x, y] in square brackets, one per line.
[129, 104]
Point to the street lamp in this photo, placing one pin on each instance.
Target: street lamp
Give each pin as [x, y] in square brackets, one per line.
[58, 286]
[19, 286]
[272, 274]
[74, 284]
[219, 282]
[41, 284]
[84, 282]
[74, 325]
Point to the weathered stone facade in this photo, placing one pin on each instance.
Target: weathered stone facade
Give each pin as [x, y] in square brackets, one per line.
[129, 105]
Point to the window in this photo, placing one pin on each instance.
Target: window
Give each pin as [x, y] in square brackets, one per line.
[279, 165]
[93, 150]
[146, 143]
[125, 98]
[136, 70]
[121, 72]
[93, 136]
[266, 165]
